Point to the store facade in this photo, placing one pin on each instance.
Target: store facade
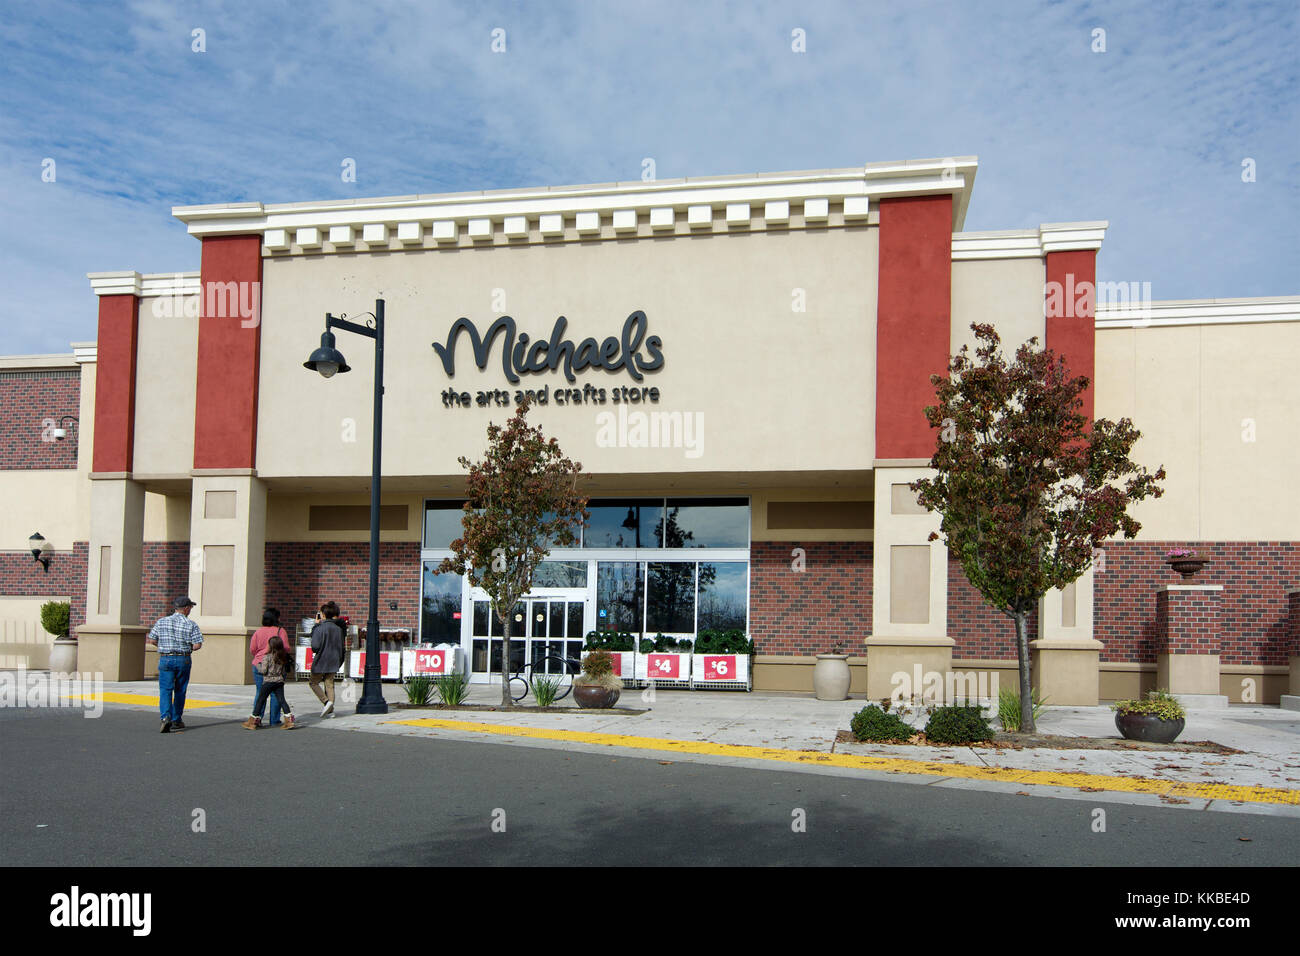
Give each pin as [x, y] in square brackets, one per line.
[739, 363]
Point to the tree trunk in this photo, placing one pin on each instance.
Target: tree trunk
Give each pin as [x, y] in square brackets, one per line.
[1026, 675]
[505, 658]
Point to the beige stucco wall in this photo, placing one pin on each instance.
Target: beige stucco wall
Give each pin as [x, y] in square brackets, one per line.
[1194, 392]
[166, 517]
[166, 363]
[287, 517]
[23, 641]
[778, 389]
[1007, 293]
[42, 499]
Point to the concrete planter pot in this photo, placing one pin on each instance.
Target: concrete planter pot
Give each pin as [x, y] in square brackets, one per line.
[595, 696]
[831, 677]
[1149, 728]
[63, 656]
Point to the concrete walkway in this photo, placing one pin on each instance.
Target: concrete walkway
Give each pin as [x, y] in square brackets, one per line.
[795, 731]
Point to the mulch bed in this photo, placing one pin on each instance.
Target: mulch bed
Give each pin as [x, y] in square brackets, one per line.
[596, 711]
[1050, 741]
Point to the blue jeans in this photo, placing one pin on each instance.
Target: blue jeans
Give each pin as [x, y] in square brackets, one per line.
[275, 701]
[173, 678]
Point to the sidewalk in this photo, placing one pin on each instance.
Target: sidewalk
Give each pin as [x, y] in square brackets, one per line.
[799, 732]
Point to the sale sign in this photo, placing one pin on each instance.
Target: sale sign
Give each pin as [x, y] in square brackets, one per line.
[430, 662]
[719, 667]
[664, 667]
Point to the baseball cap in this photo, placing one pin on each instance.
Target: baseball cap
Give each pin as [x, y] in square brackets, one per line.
[182, 602]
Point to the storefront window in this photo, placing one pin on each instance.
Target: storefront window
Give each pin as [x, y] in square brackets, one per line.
[705, 523]
[623, 522]
[619, 591]
[440, 608]
[723, 596]
[442, 523]
[670, 597]
[560, 574]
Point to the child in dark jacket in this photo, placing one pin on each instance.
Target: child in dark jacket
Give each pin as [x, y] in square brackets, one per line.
[277, 665]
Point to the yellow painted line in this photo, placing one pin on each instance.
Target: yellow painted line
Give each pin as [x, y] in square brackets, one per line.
[1049, 778]
[113, 697]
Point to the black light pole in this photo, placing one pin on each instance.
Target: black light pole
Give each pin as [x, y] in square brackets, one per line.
[327, 360]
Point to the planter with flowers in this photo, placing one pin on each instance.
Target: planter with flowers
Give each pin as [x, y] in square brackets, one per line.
[1158, 718]
[1185, 561]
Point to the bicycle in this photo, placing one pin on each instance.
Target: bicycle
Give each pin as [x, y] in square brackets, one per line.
[521, 684]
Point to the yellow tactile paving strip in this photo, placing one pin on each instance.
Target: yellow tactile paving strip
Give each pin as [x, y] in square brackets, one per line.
[113, 697]
[1051, 778]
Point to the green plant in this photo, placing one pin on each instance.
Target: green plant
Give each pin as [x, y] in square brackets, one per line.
[1157, 702]
[958, 725]
[598, 670]
[609, 641]
[419, 689]
[646, 646]
[1009, 709]
[545, 687]
[452, 688]
[664, 644]
[685, 645]
[55, 617]
[872, 723]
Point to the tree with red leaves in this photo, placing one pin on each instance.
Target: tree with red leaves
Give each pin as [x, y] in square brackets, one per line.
[523, 500]
[1026, 486]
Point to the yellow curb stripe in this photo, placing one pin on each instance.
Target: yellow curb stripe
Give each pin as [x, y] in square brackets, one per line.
[1049, 778]
[113, 697]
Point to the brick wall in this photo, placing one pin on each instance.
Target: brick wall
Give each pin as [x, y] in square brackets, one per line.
[1293, 631]
[166, 576]
[978, 629]
[806, 612]
[27, 400]
[300, 576]
[1188, 622]
[1253, 617]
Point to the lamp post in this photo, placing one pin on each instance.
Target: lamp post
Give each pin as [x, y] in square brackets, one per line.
[327, 360]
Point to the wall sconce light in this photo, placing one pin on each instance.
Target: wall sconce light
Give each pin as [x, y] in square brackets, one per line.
[40, 550]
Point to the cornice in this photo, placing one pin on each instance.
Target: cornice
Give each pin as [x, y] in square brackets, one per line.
[830, 197]
[1177, 312]
[1029, 243]
[150, 284]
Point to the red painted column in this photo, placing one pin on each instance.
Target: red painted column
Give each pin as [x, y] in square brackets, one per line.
[1071, 301]
[119, 317]
[913, 320]
[230, 334]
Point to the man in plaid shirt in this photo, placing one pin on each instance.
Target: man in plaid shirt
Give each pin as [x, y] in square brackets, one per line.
[176, 637]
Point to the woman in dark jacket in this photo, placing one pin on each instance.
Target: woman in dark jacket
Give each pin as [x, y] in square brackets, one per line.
[327, 648]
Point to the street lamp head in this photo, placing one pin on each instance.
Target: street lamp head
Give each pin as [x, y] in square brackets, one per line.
[327, 359]
[40, 549]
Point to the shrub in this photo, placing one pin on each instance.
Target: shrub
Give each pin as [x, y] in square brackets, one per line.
[419, 689]
[1009, 709]
[646, 646]
[545, 687]
[55, 617]
[1157, 702]
[598, 669]
[872, 723]
[958, 725]
[609, 641]
[452, 688]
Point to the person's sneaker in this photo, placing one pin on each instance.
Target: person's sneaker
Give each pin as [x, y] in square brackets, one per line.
[178, 725]
[166, 725]
[327, 709]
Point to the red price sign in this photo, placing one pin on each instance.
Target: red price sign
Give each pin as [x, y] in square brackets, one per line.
[617, 661]
[720, 668]
[308, 656]
[664, 666]
[428, 662]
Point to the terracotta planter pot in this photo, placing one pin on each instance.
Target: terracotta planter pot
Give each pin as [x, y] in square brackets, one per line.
[594, 696]
[831, 677]
[1187, 567]
[1149, 728]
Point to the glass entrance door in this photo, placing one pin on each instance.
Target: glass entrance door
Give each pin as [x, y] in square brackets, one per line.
[541, 626]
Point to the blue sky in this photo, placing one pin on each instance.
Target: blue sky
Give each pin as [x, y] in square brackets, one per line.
[1150, 134]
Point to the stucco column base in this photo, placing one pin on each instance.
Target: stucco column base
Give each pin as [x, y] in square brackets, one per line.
[224, 659]
[1067, 671]
[1290, 702]
[915, 657]
[117, 653]
[1192, 678]
[1294, 689]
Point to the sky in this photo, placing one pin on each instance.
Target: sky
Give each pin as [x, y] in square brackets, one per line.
[1179, 123]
